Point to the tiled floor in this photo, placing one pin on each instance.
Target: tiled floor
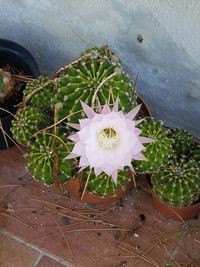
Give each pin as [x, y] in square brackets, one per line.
[41, 227]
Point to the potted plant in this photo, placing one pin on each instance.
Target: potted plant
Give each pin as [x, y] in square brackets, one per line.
[89, 89]
[17, 66]
[175, 185]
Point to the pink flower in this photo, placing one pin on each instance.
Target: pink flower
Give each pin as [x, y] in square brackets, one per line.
[107, 141]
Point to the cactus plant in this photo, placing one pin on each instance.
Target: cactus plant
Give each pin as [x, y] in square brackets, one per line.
[183, 141]
[6, 85]
[103, 184]
[46, 159]
[95, 79]
[42, 98]
[157, 153]
[28, 121]
[178, 182]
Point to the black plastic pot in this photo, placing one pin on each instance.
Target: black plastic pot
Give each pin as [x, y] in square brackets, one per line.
[17, 57]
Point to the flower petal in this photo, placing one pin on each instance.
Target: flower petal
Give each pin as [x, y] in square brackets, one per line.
[106, 109]
[97, 171]
[74, 137]
[131, 115]
[74, 125]
[146, 140]
[114, 176]
[71, 156]
[88, 110]
[139, 156]
[116, 105]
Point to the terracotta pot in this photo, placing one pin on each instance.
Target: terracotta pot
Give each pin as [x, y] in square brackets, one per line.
[175, 213]
[74, 187]
[144, 111]
[172, 212]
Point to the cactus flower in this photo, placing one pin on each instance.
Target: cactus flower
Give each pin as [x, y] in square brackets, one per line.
[107, 141]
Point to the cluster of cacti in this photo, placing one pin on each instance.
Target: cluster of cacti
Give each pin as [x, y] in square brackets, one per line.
[158, 152]
[104, 184]
[6, 84]
[178, 182]
[95, 78]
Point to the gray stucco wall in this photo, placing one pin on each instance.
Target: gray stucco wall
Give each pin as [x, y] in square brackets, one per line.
[167, 61]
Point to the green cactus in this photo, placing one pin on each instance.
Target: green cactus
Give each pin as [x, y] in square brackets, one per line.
[28, 121]
[196, 153]
[158, 152]
[93, 80]
[178, 182]
[6, 85]
[183, 141]
[104, 185]
[41, 99]
[46, 159]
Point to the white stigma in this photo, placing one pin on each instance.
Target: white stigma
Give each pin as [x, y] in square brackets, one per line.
[108, 138]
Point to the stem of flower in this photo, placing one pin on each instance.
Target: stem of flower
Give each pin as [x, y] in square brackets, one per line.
[86, 184]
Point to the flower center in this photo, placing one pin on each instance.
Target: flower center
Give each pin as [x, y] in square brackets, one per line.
[108, 138]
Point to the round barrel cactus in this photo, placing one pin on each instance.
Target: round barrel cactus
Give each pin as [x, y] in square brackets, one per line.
[157, 153]
[183, 141]
[46, 159]
[178, 182]
[6, 85]
[42, 98]
[28, 121]
[95, 80]
[104, 185]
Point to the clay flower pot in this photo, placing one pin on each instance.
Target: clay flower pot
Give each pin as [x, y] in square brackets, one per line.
[172, 212]
[176, 213]
[75, 188]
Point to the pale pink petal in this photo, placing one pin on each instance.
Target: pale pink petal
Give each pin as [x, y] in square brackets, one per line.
[114, 176]
[79, 149]
[108, 169]
[74, 125]
[84, 122]
[106, 109]
[97, 171]
[83, 162]
[139, 121]
[146, 140]
[131, 115]
[71, 156]
[116, 105]
[74, 137]
[132, 169]
[137, 131]
[88, 110]
[139, 156]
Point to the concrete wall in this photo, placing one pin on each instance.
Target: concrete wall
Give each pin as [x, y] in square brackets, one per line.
[167, 60]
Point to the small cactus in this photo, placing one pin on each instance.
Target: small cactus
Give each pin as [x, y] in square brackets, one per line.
[28, 121]
[183, 141]
[42, 99]
[178, 182]
[95, 79]
[157, 153]
[46, 160]
[6, 85]
[103, 184]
